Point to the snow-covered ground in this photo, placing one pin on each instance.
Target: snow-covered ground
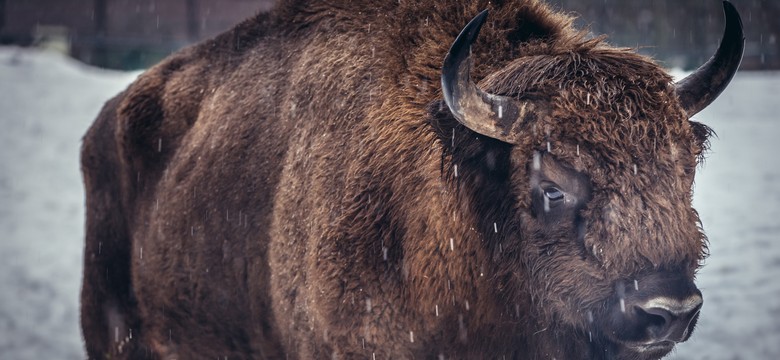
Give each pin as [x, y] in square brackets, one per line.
[48, 101]
[46, 104]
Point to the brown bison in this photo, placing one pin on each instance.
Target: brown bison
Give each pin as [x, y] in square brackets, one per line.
[326, 180]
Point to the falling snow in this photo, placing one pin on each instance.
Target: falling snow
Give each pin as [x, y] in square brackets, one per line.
[41, 211]
[537, 161]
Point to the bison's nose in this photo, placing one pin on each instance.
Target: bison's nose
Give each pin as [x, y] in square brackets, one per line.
[667, 319]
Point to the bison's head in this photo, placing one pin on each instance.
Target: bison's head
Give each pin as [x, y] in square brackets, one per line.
[602, 154]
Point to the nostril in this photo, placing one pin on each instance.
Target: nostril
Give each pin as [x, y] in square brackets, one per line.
[656, 320]
[667, 319]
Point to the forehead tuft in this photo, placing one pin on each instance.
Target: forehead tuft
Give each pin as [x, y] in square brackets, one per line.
[590, 77]
[611, 104]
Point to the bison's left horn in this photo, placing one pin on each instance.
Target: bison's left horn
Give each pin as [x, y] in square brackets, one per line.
[700, 88]
[487, 114]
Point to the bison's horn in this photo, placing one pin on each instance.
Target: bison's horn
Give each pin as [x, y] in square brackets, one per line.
[700, 88]
[487, 114]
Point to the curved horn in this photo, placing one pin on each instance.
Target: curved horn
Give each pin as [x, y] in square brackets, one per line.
[700, 88]
[487, 114]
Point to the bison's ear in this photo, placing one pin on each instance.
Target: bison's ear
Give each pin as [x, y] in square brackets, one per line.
[701, 88]
[491, 115]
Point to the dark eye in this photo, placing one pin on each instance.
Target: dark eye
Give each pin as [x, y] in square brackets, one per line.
[552, 193]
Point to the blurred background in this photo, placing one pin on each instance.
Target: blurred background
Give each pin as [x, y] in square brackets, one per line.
[133, 34]
[119, 34]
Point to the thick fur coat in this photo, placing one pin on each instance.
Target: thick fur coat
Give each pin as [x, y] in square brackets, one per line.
[296, 188]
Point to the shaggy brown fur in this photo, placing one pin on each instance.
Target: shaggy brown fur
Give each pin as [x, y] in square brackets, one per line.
[296, 188]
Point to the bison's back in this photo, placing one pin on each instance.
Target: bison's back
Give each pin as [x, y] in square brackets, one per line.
[182, 174]
[180, 171]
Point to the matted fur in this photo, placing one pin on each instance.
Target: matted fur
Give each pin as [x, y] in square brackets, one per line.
[296, 187]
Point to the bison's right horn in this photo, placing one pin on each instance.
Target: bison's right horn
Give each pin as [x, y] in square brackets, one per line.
[487, 114]
[700, 88]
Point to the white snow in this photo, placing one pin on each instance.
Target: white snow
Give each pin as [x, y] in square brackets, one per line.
[47, 102]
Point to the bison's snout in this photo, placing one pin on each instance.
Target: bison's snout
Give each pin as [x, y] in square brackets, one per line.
[665, 319]
[656, 316]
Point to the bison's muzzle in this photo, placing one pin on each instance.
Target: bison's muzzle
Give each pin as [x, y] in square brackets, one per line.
[653, 313]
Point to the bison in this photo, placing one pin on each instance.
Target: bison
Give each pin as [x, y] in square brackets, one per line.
[332, 179]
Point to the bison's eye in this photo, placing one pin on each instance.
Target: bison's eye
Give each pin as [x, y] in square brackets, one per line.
[557, 191]
[553, 193]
